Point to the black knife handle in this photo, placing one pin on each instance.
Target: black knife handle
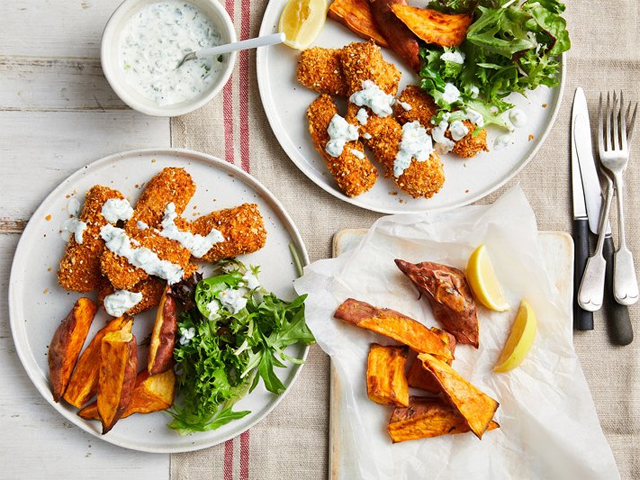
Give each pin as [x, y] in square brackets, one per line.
[582, 320]
[620, 330]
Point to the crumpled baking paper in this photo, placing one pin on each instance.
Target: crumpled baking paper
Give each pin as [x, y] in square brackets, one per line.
[549, 426]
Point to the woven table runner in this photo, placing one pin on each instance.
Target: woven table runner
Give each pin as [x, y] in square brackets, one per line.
[292, 442]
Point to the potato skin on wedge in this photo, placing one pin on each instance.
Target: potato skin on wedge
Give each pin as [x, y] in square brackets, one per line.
[386, 380]
[152, 393]
[66, 344]
[427, 417]
[118, 367]
[394, 325]
[475, 406]
[84, 381]
[420, 377]
[163, 337]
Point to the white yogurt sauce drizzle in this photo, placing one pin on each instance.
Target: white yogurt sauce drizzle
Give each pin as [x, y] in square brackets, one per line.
[116, 209]
[416, 143]
[362, 116]
[451, 93]
[195, 243]
[154, 41]
[357, 154]
[75, 227]
[119, 243]
[73, 207]
[458, 130]
[443, 143]
[340, 132]
[518, 117]
[373, 97]
[120, 301]
[502, 141]
[232, 299]
[455, 57]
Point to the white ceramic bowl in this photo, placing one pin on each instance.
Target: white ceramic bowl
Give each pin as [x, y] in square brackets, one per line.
[111, 66]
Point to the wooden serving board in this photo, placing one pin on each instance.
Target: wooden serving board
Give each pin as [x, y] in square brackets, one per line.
[557, 251]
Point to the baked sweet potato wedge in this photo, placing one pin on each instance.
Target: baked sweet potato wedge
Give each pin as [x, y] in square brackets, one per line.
[66, 344]
[118, 367]
[420, 377]
[84, 381]
[394, 325]
[357, 17]
[152, 393]
[163, 337]
[398, 35]
[427, 417]
[449, 295]
[432, 26]
[475, 406]
[386, 380]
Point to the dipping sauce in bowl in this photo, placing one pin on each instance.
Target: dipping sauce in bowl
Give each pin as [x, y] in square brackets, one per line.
[144, 42]
[154, 42]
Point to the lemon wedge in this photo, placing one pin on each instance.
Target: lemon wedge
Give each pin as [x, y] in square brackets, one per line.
[301, 22]
[521, 337]
[483, 281]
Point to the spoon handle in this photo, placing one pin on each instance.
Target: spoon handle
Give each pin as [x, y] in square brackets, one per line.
[262, 41]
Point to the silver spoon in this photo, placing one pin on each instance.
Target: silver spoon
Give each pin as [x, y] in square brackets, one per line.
[263, 41]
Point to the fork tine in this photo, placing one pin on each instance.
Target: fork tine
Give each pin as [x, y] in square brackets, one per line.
[607, 134]
[600, 127]
[631, 122]
[615, 139]
[623, 124]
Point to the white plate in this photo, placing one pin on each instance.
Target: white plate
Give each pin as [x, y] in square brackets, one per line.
[467, 180]
[37, 303]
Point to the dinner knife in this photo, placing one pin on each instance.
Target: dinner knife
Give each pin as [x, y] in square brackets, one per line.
[582, 319]
[619, 323]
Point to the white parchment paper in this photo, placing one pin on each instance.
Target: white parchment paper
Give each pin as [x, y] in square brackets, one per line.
[549, 426]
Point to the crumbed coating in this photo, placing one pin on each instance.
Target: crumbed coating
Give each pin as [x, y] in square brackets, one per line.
[420, 179]
[320, 69]
[242, 228]
[124, 276]
[352, 174]
[423, 107]
[363, 61]
[79, 269]
[470, 145]
[151, 289]
[170, 185]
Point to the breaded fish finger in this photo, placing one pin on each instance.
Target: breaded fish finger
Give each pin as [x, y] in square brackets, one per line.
[151, 290]
[470, 145]
[320, 69]
[353, 172]
[242, 228]
[79, 269]
[363, 61]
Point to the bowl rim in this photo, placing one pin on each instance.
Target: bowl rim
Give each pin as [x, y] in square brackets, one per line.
[109, 34]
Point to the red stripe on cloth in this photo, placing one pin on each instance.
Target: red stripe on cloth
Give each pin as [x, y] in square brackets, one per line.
[228, 460]
[227, 103]
[244, 455]
[245, 32]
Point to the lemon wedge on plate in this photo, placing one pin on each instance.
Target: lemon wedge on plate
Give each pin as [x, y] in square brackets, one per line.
[521, 337]
[301, 22]
[483, 281]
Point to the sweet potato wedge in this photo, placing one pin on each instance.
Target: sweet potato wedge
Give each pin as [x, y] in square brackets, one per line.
[432, 26]
[118, 366]
[398, 35]
[449, 295]
[427, 417]
[420, 377]
[152, 393]
[394, 325]
[84, 381]
[357, 17]
[66, 344]
[386, 380]
[163, 337]
[475, 406]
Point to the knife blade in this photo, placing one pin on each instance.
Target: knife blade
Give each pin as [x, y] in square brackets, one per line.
[582, 319]
[619, 323]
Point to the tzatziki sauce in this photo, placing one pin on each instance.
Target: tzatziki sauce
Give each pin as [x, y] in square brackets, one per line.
[153, 43]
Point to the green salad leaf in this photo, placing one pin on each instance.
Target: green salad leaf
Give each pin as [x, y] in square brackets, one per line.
[511, 47]
[235, 335]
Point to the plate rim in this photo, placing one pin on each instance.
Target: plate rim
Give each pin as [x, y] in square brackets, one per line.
[26, 355]
[263, 83]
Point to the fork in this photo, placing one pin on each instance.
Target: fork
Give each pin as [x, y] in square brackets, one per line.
[614, 156]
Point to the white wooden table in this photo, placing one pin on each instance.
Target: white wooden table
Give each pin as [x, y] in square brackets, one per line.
[57, 114]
